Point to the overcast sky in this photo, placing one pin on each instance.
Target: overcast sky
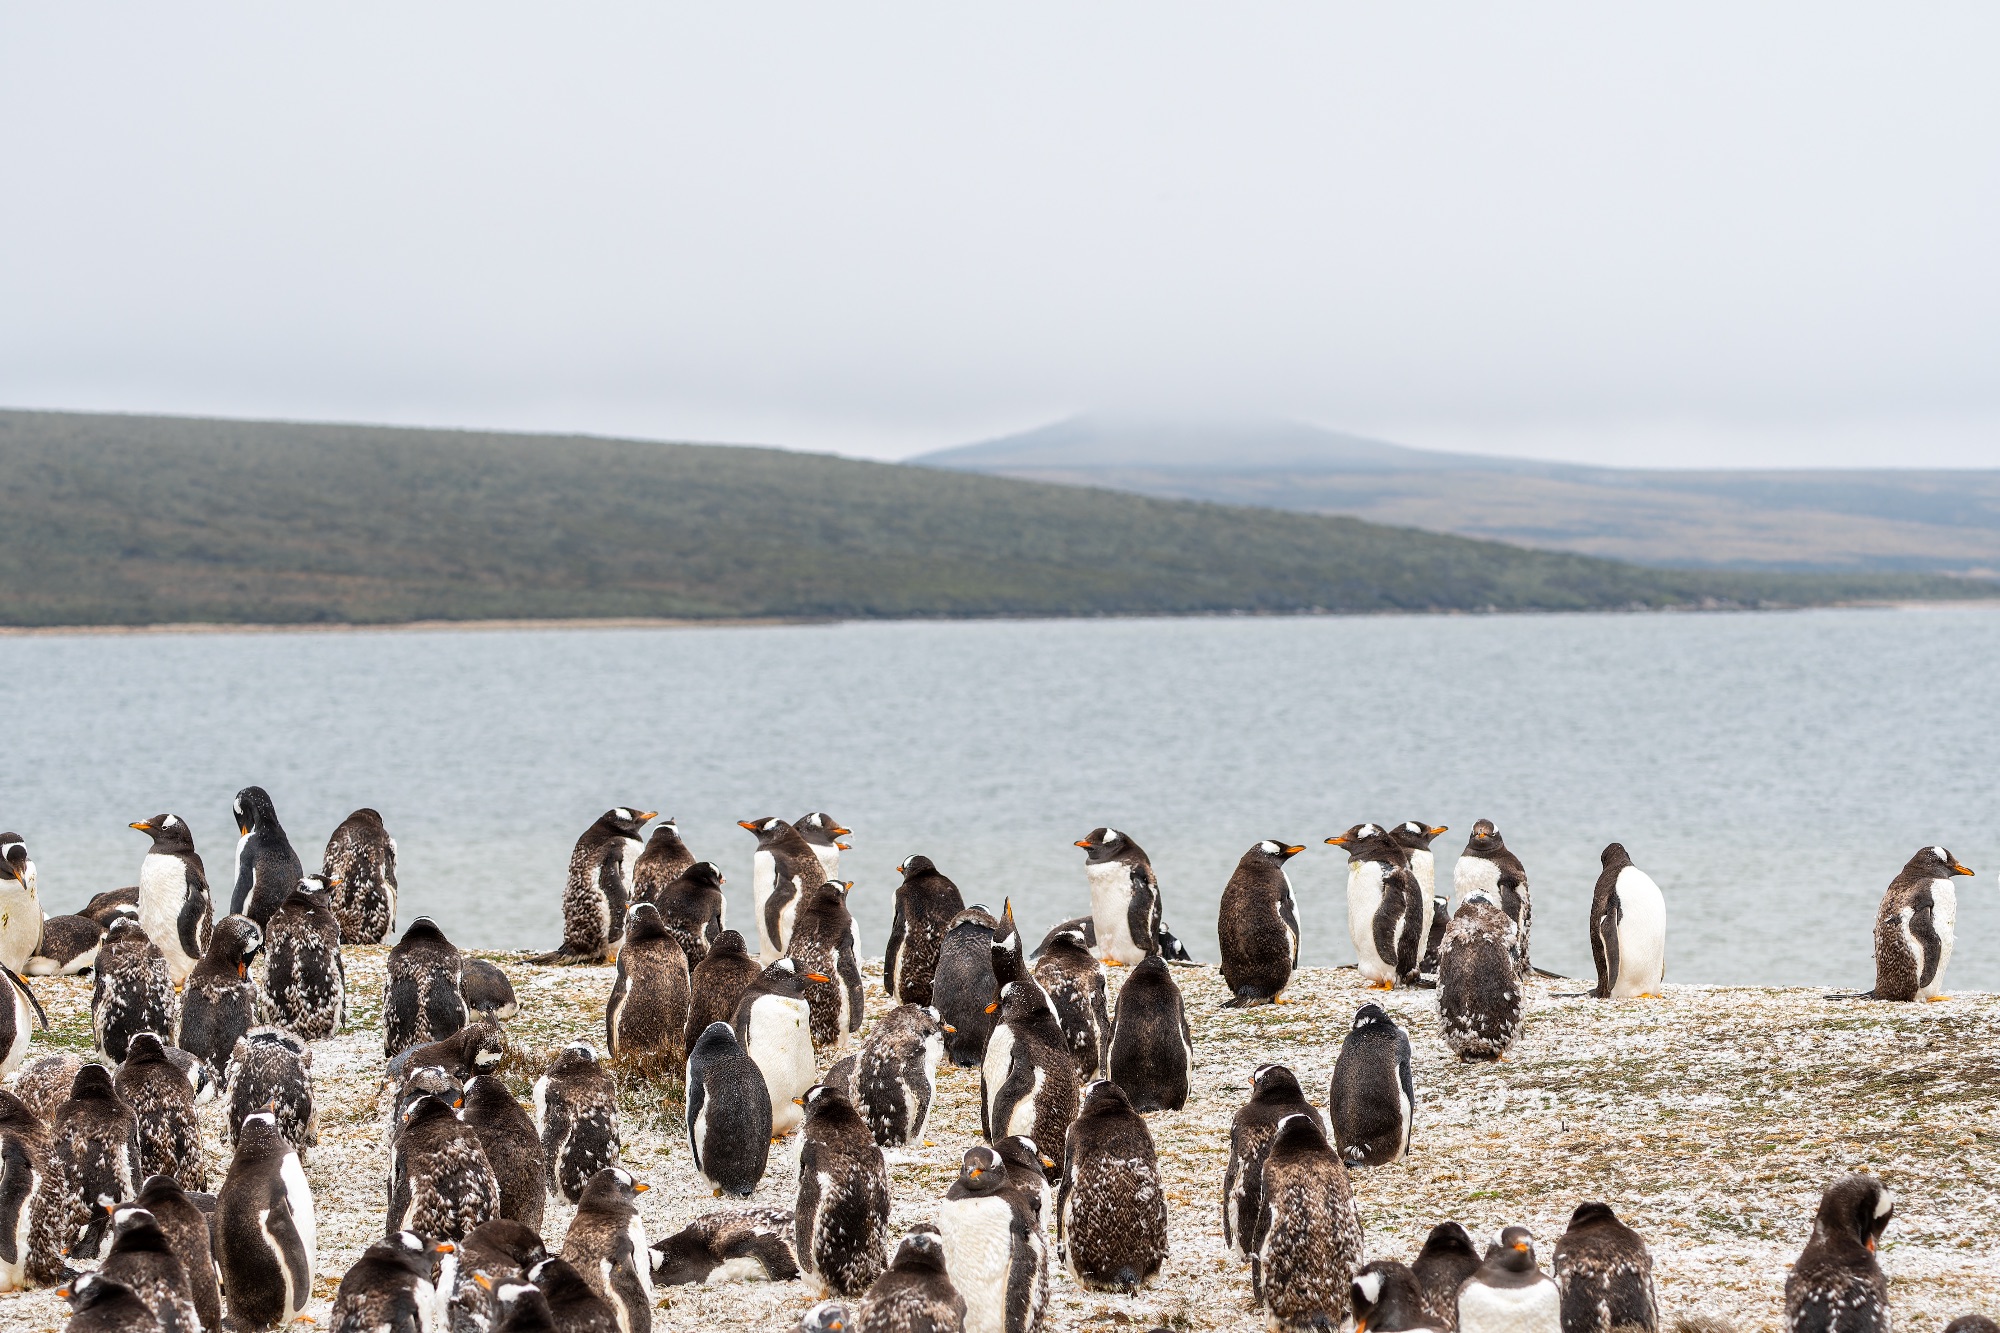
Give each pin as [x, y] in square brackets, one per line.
[1700, 234]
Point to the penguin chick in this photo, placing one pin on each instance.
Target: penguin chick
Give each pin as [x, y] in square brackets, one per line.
[163, 1112]
[1605, 1275]
[1389, 1299]
[607, 1245]
[267, 868]
[142, 1259]
[1152, 1051]
[1447, 1259]
[1274, 1094]
[926, 904]
[1308, 1238]
[420, 1000]
[476, 1048]
[647, 1012]
[441, 1184]
[1373, 1097]
[1258, 926]
[573, 1304]
[99, 1305]
[93, 1155]
[1028, 1080]
[694, 909]
[663, 860]
[391, 1286]
[895, 1075]
[359, 871]
[493, 1254]
[1075, 982]
[576, 1110]
[1837, 1286]
[716, 985]
[69, 947]
[185, 1225]
[842, 1218]
[513, 1148]
[271, 1070]
[488, 994]
[964, 985]
[1111, 1211]
[131, 992]
[1481, 998]
[732, 1245]
[1916, 926]
[222, 1001]
[305, 977]
[728, 1113]
[599, 888]
[914, 1294]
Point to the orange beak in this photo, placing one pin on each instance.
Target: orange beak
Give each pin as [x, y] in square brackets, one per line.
[1083, 842]
[446, 1247]
[744, 823]
[949, 1028]
[142, 826]
[649, 814]
[640, 1187]
[1958, 869]
[798, 1101]
[1340, 841]
[1293, 851]
[1441, 828]
[977, 1172]
[485, 1282]
[993, 1007]
[820, 977]
[1520, 1246]
[839, 832]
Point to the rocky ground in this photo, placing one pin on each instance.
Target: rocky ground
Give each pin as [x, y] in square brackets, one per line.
[1710, 1119]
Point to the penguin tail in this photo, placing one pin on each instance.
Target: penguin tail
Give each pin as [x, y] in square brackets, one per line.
[1246, 1000]
[1552, 976]
[1126, 1280]
[563, 957]
[1851, 995]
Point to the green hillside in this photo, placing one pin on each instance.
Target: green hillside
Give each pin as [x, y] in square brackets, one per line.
[134, 520]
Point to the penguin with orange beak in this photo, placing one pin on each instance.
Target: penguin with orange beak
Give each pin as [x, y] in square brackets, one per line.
[1258, 926]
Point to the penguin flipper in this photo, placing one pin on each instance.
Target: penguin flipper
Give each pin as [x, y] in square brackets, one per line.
[897, 929]
[1850, 995]
[770, 1251]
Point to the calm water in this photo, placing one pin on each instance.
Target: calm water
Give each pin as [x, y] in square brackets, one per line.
[1771, 771]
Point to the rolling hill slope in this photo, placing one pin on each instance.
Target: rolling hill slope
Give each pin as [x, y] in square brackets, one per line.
[135, 520]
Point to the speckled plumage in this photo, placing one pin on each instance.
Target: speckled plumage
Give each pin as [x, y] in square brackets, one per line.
[1308, 1241]
[728, 1245]
[391, 1288]
[162, 1102]
[576, 1110]
[24, 1166]
[142, 1258]
[663, 860]
[513, 1149]
[502, 1249]
[818, 946]
[1605, 1275]
[1390, 1299]
[842, 1217]
[607, 1245]
[716, 985]
[895, 1075]
[1447, 1259]
[93, 1155]
[421, 1002]
[440, 1183]
[599, 888]
[1481, 998]
[1073, 977]
[1111, 1209]
[926, 904]
[1487, 865]
[99, 1305]
[1274, 1094]
[360, 873]
[131, 991]
[305, 976]
[914, 1294]
[647, 1012]
[271, 1070]
[1837, 1286]
[222, 999]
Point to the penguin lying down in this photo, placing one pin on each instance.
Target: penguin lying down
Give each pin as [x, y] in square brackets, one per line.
[732, 1245]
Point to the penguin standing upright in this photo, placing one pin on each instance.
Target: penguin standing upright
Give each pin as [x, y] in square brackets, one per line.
[131, 991]
[266, 866]
[164, 1119]
[1605, 1275]
[782, 868]
[599, 888]
[1274, 1094]
[842, 1218]
[1152, 1051]
[1258, 926]
[1628, 929]
[648, 1010]
[20, 904]
[1447, 1259]
[513, 1148]
[186, 1228]
[915, 1294]
[774, 1023]
[1916, 926]
[576, 1110]
[607, 1244]
[895, 1078]
[1414, 837]
[499, 1252]
[391, 1287]
[664, 859]
[694, 909]
[1027, 1081]
[1386, 907]
[823, 833]
[818, 948]
[573, 1304]
[1124, 897]
[1111, 1208]
[1373, 1098]
[716, 985]
[994, 1247]
[24, 1154]
[271, 1070]
[266, 1241]
[1482, 866]
[1481, 996]
[730, 1245]
[420, 1000]
[964, 984]
[1837, 1286]
[99, 1305]
[222, 1000]
[19, 1012]
[1508, 1293]
[1308, 1239]
[440, 1183]
[1073, 978]
[926, 904]
[305, 978]
[1389, 1299]
[359, 870]
[728, 1113]
[173, 899]
[143, 1259]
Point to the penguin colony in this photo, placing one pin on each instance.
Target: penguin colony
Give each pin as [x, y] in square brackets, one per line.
[104, 1168]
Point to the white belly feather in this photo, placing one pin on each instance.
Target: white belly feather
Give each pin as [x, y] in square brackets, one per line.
[1364, 899]
[1536, 1308]
[1944, 918]
[1642, 935]
[1111, 911]
[978, 1254]
[781, 1044]
[1470, 873]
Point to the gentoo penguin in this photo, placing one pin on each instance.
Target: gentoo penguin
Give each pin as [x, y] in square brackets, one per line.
[1837, 1286]
[782, 868]
[1308, 1239]
[266, 1243]
[185, 1225]
[99, 1305]
[1274, 1094]
[108, 906]
[607, 1244]
[440, 1183]
[663, 860]
[476, 1048]
[162, 1102]
[24, 1153]
[20, 904]
[19, 1013]
[1111, 1209]
[271, 1071]
[513, 1149]
[1027, 1081]
[914, 1294]
[895, 1076]
[964, 984]
[1628, 929]
[1434, 935]
[1447, 1259]
[488, 995]
[44, 1082]
[841, 1233]
[573, 1304]
[1605, 1275]
[731, 1245]
[1373, 1098]
[1028, 1172]
[1258, 926]
[694, 909]
[1481, 998]
[143, 1259]
[359, 870]
[1152, 1051]
[823, 833]
[1972, 1323]
[69, 946]
[576, 1110]
[1508, 1293]
[599, 888]
[828, 1317]
[926, 905]
[716, 985]
[420, 1001]
[994, 1247]
[1124, 897]
[266, 866]
[818, 947]
[1483, 864]
[304, 975]
[392, 1286]
[774, 1024]
[222, 1000]
[1915, 928]
[728, 1113]
[93, 1152]
[500, 1251]
[1073, 978]
[173, 898]
[1414, 837]
[1386, 907]
[1389, 1299]
[648, 1010]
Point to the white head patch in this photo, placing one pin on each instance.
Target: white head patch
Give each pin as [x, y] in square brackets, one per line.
[1269, 848]
[1941, 854]
[1112, 835]
[1370, 1287]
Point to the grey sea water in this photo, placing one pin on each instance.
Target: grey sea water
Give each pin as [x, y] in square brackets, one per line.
[1771, 771]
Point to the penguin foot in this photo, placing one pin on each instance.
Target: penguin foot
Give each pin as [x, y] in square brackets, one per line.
[1937, 999]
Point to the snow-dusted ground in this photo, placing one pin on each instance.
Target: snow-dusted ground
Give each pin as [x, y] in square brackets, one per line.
[1710, 1120]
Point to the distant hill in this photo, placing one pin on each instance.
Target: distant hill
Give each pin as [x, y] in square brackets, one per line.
[1945, 522]
[134, 520]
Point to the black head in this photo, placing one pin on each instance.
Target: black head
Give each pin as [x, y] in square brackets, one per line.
[769, 829]
[1415, 834]
[504, 1236]
[704, 874]
[170, 833]
[236, 940]
[560, 1282]
[92, 1084]
[1388, 1286]
[423, 930]
[729, 944]
[1102, 1097]
[253, 810]
[821, 829]
[920, 1252]
[1151, 970]
[406, 1249]
[1485, 839]
[783, 978]
[14, 1112]
[1272, 1083]
[1449, 1239]
[1590, 1215]
[1856, 1208]
[828, 896]
[1614, 856]
[915, 866]
[14, 862]
[486, 1092]
[92, 1291]
[983, 1171]
[1372, 1018]
[1021, 1002]
[1022, 1153]
[1365, 842]
[1514, 1250]
[827, 1104]
[682, 1259]
[666, 836]
[1108, 844]
[1300, 1133]
[126, 930]
[643, 922]
[524, 1308]
[482, 1046]
[146, 1048]
[1937, 862]
[137, 1231]
[624, 821]
[716, 1042]
[612, 1187]
[311, 894]
[432, 1106]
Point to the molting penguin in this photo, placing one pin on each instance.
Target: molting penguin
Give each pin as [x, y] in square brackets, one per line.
[1447, 1259]
[1373, 1097]
[1152, 1051]
[1386, 907]
[1605, 1275]
[501, 1251]
[818, 947]
[1258, 926]
[131, 991]
[1389, 1299]
[69, 946]
[576, 1110]
[488, 994]
[304, 975]
[607, 1245]
[440, 1183]
[914, 1294]
[420, 1001]
[965, 985]
[99, 1305]
[222, 999]
[186, 1227]
[1275, 1094]
[24, 1152]
[648, 1010]
[164, 1119]
[19, 1013]
[1074, 980]
[271, 1070]
[1508, 1293]
[823, 833]
[143, 1259]
[513, 1148]
[1414, 837]
[782, 868]
[664, 859]
[730, 1245]
[266, 1242]
[1916, 926]
[994, 1247]
[599, 888]
[1482, 866]
[1628, 929]
[359, 870]
[1111, 1210]
[266, 866]
[20, 904]
[93, 1153]
[1308, 1239]
[1837, 1286]
[1481, 999]
[774, 1024]
[573, 1304]
[1027, 1081]
[716, 985]
[1124, 897]
[926, 905]
[390, 1288]
[828, 1317]
[728, 1113]
[173, 896]
[108, 906]
[694, 909]
[895, 1076]
[842, 1218]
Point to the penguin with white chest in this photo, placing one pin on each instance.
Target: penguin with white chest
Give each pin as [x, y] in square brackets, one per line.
[819, 949]
[1373, 1096]
[19, 1013]
[20, 904]
[576, 1110]
[359, 870]
[267, 868]
[823, 833]
[1508, 1293]
[895, 1078]
[782, 868]
[266, 1236]
[1482, 998]
[1482, 866]
[728, 1113]
[599, 888]
[1027, 1081]
[1916, 926]
[1386, 907]
[1414, 837]
[842, 1216]
[174, 905]
[994, 1247]
[607, 1245]
[68, 947]
[1628, 929]
[24, 1149]
[1152, 1051]
[926, 904]
[1124, 897]
[1258, 926]
[774, 1023]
